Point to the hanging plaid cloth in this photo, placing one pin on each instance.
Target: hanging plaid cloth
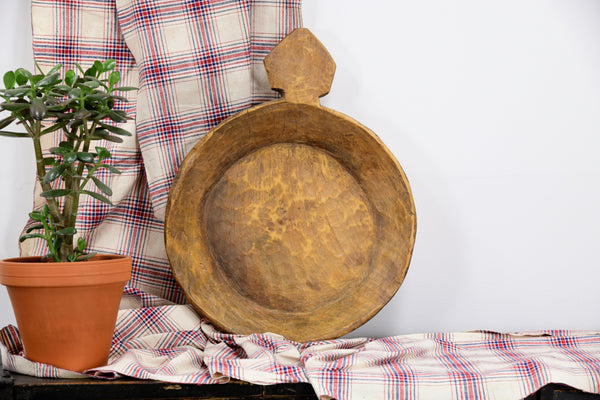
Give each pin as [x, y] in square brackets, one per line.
[195, 63]
[199, 63]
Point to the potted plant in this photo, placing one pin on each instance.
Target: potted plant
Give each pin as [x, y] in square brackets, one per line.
[66, 302]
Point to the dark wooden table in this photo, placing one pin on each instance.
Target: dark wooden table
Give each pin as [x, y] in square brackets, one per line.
[21, 387]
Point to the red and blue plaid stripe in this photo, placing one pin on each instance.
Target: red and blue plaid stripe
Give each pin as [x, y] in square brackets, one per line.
[196, 63]
[172, 343]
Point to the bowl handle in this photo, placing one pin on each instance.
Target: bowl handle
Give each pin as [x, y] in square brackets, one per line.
[300, 68]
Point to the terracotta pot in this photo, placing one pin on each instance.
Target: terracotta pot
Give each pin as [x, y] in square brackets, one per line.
[66, 312]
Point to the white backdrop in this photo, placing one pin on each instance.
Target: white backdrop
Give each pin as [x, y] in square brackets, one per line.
[493, 110]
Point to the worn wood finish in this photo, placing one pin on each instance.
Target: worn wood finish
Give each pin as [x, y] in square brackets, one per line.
[20, 387]
[290, 217]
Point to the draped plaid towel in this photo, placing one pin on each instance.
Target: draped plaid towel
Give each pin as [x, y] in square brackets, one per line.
[196, 63]
[173, 344]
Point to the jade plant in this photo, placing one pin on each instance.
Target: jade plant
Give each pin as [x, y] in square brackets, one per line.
[79, 106]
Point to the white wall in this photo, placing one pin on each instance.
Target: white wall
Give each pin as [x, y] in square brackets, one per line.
[17, 173]
[493, 110]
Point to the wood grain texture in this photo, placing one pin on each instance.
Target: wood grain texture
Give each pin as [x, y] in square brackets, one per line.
[300, 68]
[290, 218]
[286, 211]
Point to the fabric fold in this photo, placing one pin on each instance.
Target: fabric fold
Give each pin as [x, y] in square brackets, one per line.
[195, 63]
[199, 63]
[80, 32]
[173, 344]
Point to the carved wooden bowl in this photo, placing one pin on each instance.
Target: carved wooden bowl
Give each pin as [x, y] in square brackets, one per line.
[289, 217]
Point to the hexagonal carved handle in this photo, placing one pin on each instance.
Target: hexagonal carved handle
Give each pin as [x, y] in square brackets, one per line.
[300, 68]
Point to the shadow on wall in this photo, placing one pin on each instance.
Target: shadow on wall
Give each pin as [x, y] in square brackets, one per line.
[427, 298]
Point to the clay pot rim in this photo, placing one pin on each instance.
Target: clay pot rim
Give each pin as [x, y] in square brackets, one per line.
[38, 259]
[32, 272]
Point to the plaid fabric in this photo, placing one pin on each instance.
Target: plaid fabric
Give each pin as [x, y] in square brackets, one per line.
[476, 365]
[196, 62]
[199, 62]
[81, 31]
[171, 343]
[214, 49]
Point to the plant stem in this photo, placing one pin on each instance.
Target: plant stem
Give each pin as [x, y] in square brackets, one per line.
[69, 208]
[72, 199]
[48, 227]
[41, 172]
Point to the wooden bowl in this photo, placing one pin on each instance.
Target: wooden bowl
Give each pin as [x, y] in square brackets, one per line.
[290, 217]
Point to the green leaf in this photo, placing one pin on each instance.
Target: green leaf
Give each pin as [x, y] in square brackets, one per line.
[55, 193]
[81, 244]
[79, 68]
[60, 89]
[70, 77]
[103, 135]
[37, 109]
[125, 88]
[82, 114]
[7, 121]
[60, 150]
[120, 98]
[91, 71]
[37, 216]
[17, 92]
[73, 125]
[13, 134]
[117, 115]
[33, 228]
[114, 78]
[54, 173]
[116, 129]
[49, 256]
[85, 256]
[99, 67]
[55, 127]
[66, 102]
[57, 241]
[71, 258]
[85, 156]
[22, 76]
[65, 145]
[92, 84]
[98, 96]
[75, 93]
[97, 196]
[49, 161]
[109, 64]
[110, 168]
[36, 78]
[102, 153]
[70, 158]
[100, 116]
[38, 66]
[54, 69]
[103, 188]
[15, 107]
[9, 80]
[31, 236]
[67, 231]
[50, 80]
